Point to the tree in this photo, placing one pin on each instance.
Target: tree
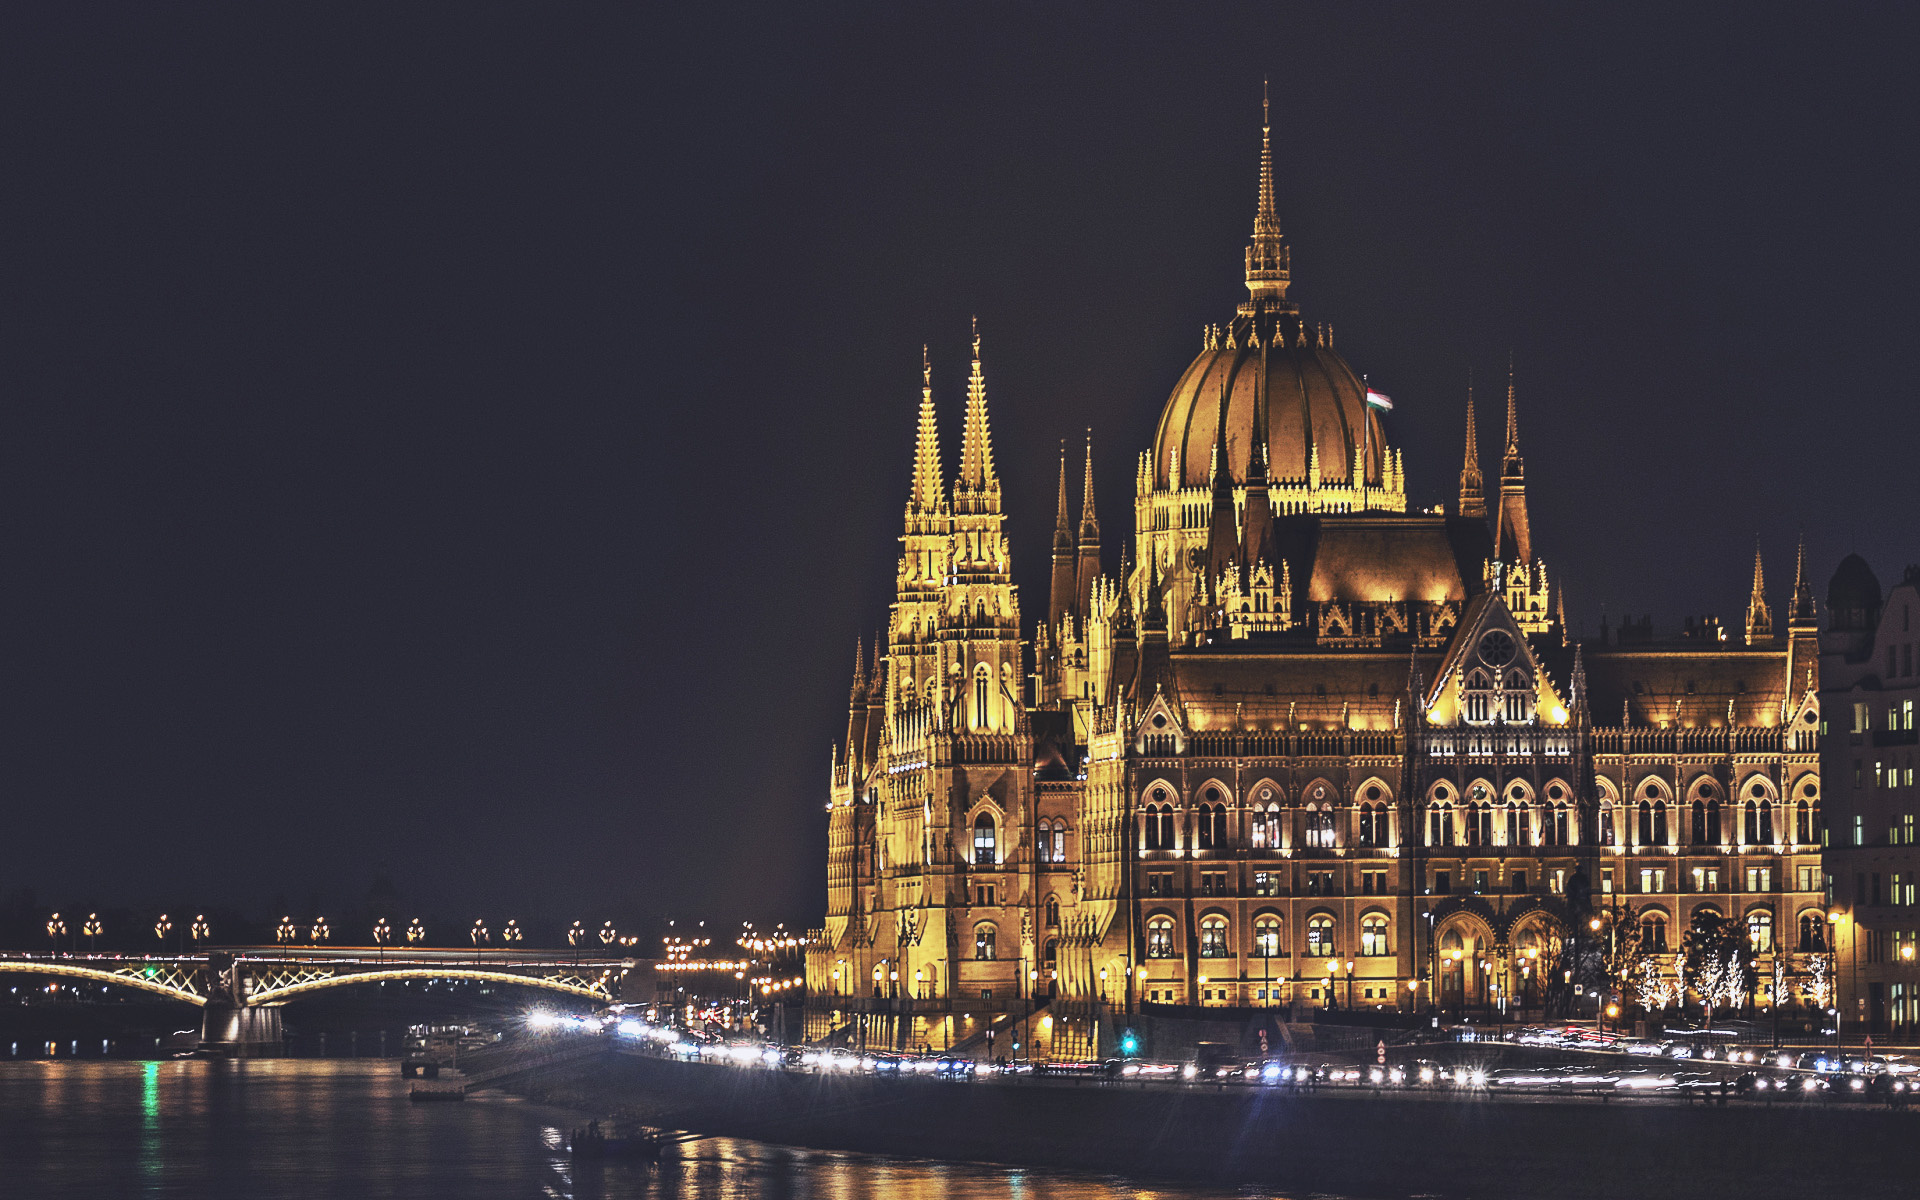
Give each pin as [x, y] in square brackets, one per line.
[1618, 941]
[1719, 962]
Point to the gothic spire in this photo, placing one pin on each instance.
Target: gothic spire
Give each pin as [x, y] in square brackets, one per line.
[859, 695]
[1268, 266]
[1089, 557]
[1802, 607]
[1060, 600]
[1473, 488]
[976, 444]
[1759, 616]
[1512, 539]
[927, 496]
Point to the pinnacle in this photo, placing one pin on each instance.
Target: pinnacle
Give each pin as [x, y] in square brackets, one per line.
[1089, 522]
[976, 444]
[928, 489]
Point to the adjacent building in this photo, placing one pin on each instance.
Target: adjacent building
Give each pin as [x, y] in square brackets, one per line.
[1870, 686]
[1307, 746]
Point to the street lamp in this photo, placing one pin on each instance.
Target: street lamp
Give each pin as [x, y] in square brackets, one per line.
[56, 929]
[478, 933]
[575, 934]
[91, 929]
[607, 934]
[321, 931]
[1839, 1043]
[200, 930]
[285, 932]
[416, 932]
[1349, 983]
[161, 928]
[511, 933]
[382, 934]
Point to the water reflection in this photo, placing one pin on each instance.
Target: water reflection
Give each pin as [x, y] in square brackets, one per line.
[343, 1129]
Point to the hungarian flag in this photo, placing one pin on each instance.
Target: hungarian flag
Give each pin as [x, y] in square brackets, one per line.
[1379, 400]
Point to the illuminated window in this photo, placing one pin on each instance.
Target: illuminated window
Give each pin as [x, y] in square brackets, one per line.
[1053, 912]
[1160, 937]
[1266, 937]
[1373, 935]
[1653, 932]
[1213, 937]
[1320, 833]
[1320, 936]
[1760, 931]
[1160, 829]
[983, 841]
[984, 938]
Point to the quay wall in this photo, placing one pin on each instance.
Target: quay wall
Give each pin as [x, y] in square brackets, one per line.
[1352, 1143]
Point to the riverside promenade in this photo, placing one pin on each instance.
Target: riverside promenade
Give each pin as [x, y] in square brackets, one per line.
[1355, 1141]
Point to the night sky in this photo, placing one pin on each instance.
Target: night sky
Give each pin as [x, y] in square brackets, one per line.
[464, 444]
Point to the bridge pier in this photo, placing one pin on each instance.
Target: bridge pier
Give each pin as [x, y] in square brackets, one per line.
[241, 1030]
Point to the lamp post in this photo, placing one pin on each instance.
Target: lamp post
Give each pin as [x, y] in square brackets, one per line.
[56, 929]
[1839, 1042]
[416, 932]
[284, 931]
[511, 933]
[1349, 984]
[200, 931]
[382, 934]
[92, 929]
[321, 931]
[161, 928]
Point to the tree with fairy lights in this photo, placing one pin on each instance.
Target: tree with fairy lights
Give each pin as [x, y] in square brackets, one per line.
[1719, 962]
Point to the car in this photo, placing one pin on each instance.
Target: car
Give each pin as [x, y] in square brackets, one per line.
[949, 1067]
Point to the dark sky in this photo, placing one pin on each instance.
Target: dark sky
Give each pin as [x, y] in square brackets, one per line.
[466, 443]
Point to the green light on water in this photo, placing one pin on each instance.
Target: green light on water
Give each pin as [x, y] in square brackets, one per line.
[150, 1092]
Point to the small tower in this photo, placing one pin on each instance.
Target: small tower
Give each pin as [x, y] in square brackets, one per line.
[1473, 488]
[1060, 600]
[1512, 540]
[1089, 549]
[1759, 616]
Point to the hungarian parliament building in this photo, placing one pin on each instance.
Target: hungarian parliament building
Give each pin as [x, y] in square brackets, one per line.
[1308, 747]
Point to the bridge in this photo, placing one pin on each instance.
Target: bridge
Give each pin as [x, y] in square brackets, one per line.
[239, 989]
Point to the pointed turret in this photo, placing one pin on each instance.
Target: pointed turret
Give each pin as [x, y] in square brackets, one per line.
[1578, 689]
[1258, 515]
[857, 708]
[1223, 532]
[977, 489]
[1512, 540]
[929, 492]
[1473, 488]
[1759, 615]
[1800, 611]
[1060, 600]
[1089, 538]
[1269, 270]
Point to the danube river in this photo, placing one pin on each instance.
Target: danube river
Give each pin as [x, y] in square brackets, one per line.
[343, 1129]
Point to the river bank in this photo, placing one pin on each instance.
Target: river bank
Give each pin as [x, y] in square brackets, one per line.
[1356, 1143]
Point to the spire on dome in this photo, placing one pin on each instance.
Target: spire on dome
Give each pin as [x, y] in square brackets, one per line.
[928, 495]
[976, 444]
[1268, 261]
[1473, 487]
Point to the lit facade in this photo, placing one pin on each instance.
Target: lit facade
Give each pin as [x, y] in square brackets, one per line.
[1306, 747]
[1870, 688]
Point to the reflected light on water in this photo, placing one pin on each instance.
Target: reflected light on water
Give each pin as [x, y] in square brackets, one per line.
[344, 1129]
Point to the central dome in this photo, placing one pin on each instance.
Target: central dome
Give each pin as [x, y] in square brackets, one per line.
[1314, 401]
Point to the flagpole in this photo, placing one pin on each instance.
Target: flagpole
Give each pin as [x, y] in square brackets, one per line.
[1366, 436]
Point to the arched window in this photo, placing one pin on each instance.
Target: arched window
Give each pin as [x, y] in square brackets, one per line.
[1653, 932]
[1440, 824]
[1480, 824]
[1266, 936]
[984, 939]
[1160, 937]
[1803, 823]
[1053, 912]
[1507, 819]
[1553, 825]
[1609, 836]
[1714, 835]
[1320, 835]
[980, 684]
[1158, 820]
[1479, 698]
[1052, 951]
[1210, 826]
[1320, 936]
[1660, 823]
[1056, 842]
[1766, 823]
[1213, 937]
[1813, 932]
[1265, 833]
[1646, 823]
[983, 841]
[1760, 931]
[1373, 825]
[1700, 837]
[1516, 698]
[1373, 935]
